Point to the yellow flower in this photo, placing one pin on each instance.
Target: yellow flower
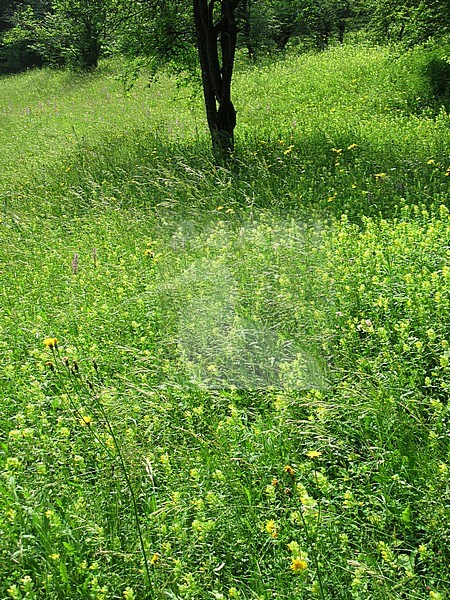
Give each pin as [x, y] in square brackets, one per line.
[271, 528]
[380, 176]
[289, 470]
[86, 420]
[51, 342]
[313, 454]
[352, 146]
[288, 150]
[298, 565]
[447, 172]
[154, 559]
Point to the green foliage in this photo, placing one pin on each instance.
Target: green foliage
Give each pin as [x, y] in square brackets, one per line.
[17, 35]
[163, 30]
[412, 21]
[273, 25]
[437, 72]
[68, 32]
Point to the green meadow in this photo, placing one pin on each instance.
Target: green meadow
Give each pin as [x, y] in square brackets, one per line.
[226, 382]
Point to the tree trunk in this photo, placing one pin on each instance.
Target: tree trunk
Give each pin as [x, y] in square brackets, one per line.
[247, 29]
[216, 42]
[90, 47]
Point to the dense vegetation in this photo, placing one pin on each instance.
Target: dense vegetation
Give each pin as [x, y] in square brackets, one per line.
[226, 382]
[200, 37]
[227, 375]
[78, 32]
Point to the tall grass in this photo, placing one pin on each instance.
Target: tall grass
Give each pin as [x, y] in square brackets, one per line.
[255, 358]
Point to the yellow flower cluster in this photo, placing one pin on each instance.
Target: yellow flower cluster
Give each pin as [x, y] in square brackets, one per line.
[272, 528]
[298, 565]
[299, 560]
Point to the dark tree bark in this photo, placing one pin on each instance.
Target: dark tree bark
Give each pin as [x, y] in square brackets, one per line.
[246, 28]
[92, 47]
[216, 41]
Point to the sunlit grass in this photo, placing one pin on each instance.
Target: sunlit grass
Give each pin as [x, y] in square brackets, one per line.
[257, 356]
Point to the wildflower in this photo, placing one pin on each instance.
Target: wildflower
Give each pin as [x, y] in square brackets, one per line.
[271, 528]
[352, 146]
[380, 177]
[220, 208]
[443, 469]
[447, 172]
[313, 454]
[289, 470]
[294, 548]
[149, 252]
[274, 481]
[13, 462]
[337, 150]
[154, 559]
[86, 420]
[128, 594]
[54, 556]
[14, 592]
[75, 263]
[298, 565]
[51, 343]
[27, 583]
[288, 150]
[194, 473]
